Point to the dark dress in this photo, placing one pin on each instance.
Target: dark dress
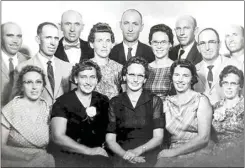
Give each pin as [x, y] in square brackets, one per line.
[134, 126]
[81, 129]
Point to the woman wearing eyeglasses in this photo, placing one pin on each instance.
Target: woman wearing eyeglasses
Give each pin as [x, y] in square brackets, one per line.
[228, 117]
[25, 123]
[136, 121]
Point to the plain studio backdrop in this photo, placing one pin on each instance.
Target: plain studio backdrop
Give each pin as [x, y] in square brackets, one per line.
[29, 14]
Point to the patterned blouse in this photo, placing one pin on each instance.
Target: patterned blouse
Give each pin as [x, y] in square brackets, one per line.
[109, 84]
[158, 81]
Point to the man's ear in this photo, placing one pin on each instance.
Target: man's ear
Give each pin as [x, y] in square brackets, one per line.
[196, 31]
[120, 23]
[38, 40]
[91, 45]
[142, 27]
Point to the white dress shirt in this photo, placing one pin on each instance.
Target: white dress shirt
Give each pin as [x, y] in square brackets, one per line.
[187, 50]
[133, 51]
[6, 60]
[44, 62]
[73, 54]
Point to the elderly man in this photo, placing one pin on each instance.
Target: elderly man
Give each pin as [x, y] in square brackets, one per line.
[56, 71]
[11, 41]
[213, 63]
[131, 25]
[71, 48]
[186, 29]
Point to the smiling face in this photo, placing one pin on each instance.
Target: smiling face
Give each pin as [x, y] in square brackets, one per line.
[234, 39]
[160, 44]
[102, 44]
[87, 80]
[11, 38]
[182, 79]
[230, 86]
[32, 85]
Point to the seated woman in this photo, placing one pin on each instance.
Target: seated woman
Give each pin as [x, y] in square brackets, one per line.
[79, 121]
[25, 123]
[136, 121]
[188, 115]
[161, 41]
[101, 39]
[228, 117]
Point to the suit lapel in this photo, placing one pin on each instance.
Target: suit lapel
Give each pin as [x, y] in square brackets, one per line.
[201, 75]
[4, 68]
[60, 53]
[121, 54]
[139, 50]
[57, 76]
[193, 53]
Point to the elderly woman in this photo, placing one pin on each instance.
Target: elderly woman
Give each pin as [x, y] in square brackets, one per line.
[228, 117]
[161, 41]
[25, 123]
[101, 39]
[79, 120]
[188, 115]
[136, 120]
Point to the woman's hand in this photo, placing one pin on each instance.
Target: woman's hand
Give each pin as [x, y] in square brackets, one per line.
[132, 158]
[167, 153]
[98, 151]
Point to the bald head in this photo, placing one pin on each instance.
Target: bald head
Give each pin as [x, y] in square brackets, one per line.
[189, 19]
[71, 25]
[11, 38]
[132, 12]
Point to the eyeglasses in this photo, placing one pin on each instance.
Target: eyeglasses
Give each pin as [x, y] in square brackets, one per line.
[139, 76]
[232, 84]
[210, 43]
[162, 43]
[37, 82]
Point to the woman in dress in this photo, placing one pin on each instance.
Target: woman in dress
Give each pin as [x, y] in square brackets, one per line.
[228, 117]
[136, 121]
[161, 41]
[188, 116]
[25, 123]
[79, 120]
[101, 39]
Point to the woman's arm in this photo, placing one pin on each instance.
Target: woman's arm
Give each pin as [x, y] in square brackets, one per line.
[58, 127]
[113, 145]
[204, 117]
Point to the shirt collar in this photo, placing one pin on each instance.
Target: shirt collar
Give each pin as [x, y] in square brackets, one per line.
[5, 58]
[188, 48]
[44, 59]
[64, 42]
[134, 48]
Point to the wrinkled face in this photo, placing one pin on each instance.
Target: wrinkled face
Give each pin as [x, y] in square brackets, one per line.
[234, 39]
[182, 79]
[230, 86]
[131, 26]
[11, 39]
[208, 45]
[102, 44]
[32, 85]
[48, 40]
[87, 80]
[135, 77]
[71, 26]
[160, 44]
[185, 31]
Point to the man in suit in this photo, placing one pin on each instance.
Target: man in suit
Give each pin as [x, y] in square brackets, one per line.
[186, 29]
[11, 41]
[56, 71]
[71, 48]
[131, 25]
[213, 63]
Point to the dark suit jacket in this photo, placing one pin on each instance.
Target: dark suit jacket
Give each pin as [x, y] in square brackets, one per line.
[86, 53]
[117, 53]
[194, 56]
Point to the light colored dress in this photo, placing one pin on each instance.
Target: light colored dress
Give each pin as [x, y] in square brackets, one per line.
[26, 135]
[109, 84]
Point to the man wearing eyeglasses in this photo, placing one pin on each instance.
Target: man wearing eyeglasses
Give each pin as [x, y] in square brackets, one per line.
[186, 29]
[213, 63]
[131, 25]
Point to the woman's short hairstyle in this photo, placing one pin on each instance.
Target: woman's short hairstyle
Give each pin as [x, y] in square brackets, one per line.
[25, 70]
[162, 28]
[230, 69]
[100, 28]
[185, 64]
[136, 60]
[85, 65]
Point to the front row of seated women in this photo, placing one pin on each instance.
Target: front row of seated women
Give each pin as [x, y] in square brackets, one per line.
[92, 131]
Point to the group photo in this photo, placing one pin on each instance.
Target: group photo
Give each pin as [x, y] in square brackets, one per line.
[122, 84]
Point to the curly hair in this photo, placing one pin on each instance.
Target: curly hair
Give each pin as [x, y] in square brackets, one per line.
[185, 64]
[136, 60]
[25, 70]
[100, 28]
[85, 65]
[230, 69]
[162, 28]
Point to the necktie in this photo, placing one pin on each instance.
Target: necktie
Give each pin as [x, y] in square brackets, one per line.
[181, 53]
[69, 46]
[11, 71]
[129, 53]
[210, 75]
[50, 75]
